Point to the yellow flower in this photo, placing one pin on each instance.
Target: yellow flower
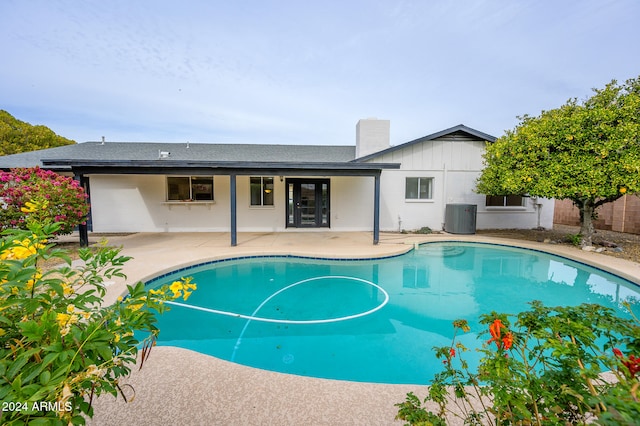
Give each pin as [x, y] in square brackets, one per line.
[187, 283]
[66, 319]
[21, 250]
[2, 332]
[32, 282]
[176, 286]
[623, 190]
[116, 337]
[70, 308]
[187, 294]
[29, 207]
[118, 322]
[67, 289]
[136, 307]
[62, 319]
[156, 292]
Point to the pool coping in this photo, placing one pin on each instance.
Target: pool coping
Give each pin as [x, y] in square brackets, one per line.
[590, 263]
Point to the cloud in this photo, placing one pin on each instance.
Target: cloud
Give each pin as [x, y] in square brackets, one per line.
[299, 72]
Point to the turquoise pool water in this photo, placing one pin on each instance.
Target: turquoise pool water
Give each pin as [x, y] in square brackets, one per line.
[373, 320]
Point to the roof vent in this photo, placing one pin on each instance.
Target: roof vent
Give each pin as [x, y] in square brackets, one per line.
[102, 141]
[187, 144]
[163, 154]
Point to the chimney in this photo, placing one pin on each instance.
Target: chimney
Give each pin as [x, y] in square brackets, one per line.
[372, 135]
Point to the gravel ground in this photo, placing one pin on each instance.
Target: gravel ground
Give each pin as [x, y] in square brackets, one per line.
[629, 243]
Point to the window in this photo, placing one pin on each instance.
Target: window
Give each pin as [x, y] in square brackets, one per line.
[190, 188]
[418, 188]
[261, 191]
[504, 201]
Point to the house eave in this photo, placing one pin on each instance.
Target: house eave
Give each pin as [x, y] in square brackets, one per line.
[178, 167]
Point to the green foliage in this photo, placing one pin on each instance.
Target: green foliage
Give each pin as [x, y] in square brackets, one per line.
[61, 199]
[544, 368]
[18, 136]
[587, 152]
[59, 346]
[424, 230]
[575, 239]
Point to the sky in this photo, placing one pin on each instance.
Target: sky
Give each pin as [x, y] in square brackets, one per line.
[304, 71]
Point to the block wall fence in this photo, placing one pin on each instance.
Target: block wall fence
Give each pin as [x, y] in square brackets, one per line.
[623, 215]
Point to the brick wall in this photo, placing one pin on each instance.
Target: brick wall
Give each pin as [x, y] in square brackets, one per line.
[623, 215]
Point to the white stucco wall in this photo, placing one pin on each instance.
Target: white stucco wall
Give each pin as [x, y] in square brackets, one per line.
[137, 203]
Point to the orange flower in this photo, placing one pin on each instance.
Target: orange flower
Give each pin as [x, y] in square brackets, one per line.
[502, 342]
[507, 340]
[632, 363]
[452, 352]
[495, 331]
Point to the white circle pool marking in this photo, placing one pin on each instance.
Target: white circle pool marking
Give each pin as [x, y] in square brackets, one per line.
[253, 316]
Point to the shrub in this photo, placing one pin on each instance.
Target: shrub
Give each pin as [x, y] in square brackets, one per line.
[575, 239]
[544, 368]
[61, 199]
[424, 230]
[59, 346]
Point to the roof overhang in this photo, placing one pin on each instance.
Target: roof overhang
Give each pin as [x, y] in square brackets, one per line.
[182, 167]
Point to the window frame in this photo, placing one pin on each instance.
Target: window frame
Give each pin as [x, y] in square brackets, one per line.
[505, 202]
[418, 199]
[263, 191]
[193, 191]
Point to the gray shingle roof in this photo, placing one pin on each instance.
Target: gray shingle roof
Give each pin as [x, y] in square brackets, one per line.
[194, 152]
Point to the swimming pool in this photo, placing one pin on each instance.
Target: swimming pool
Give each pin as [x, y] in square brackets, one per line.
[373, 320]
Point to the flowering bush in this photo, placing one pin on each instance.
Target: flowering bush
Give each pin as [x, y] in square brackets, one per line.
[546, 369]
[59, 347]
[61, 199]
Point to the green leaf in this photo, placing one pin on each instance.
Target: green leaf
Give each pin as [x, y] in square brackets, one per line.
[45, 376]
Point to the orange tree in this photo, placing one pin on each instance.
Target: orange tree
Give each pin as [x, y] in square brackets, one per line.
[543, 366]
[59, 346]
[588, 152]
[61, 198]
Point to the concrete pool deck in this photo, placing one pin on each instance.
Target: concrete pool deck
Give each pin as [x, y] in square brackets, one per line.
[179, 386]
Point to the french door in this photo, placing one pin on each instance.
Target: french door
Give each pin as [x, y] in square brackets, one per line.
[307, 203]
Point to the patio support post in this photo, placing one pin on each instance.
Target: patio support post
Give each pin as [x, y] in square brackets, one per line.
[234, 225]
[83, 228]
[376, 209]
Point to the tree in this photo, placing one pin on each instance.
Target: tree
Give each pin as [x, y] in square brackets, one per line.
[63, 199]
[588, 152]
[18, 136]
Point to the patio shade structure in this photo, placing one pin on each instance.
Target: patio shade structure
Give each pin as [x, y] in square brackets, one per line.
[82, 169]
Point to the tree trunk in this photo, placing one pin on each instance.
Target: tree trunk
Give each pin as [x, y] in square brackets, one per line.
[587, 209]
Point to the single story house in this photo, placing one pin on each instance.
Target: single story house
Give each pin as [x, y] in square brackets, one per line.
[372, 186]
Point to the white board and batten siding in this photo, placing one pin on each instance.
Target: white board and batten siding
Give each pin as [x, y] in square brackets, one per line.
[454, 163]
